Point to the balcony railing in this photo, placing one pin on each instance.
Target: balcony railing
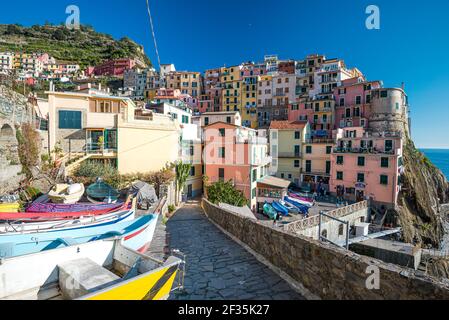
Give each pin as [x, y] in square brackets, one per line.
[364, 150]
[100, 148]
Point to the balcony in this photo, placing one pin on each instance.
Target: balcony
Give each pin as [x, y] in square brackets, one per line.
[320, 140]
[102, 149]
[363, 151]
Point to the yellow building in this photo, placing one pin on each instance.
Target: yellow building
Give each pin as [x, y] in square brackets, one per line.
[249, 101]
[232, 88]
[286, 142]
[323, 114]
[108, 129]
[316, 163]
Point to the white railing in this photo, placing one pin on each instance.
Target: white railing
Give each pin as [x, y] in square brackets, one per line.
[313, 221]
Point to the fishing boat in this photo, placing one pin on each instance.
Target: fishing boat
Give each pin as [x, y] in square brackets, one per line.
[17, 244]
[98, 270]
[280, 208]
[78, 207]
[291, 208]
[304, 201]
[9, 207]
[45, 216]
[269, 211]
[101, 192]
[302, 208]
[66, 193]
[87, 221]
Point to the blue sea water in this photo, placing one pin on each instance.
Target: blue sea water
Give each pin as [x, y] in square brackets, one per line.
[439, 157]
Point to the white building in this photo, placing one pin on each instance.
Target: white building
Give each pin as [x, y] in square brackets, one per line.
[6, 61]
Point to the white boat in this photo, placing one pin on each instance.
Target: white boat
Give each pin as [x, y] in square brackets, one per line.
[291, 208]
[66, 193]
[98, 270]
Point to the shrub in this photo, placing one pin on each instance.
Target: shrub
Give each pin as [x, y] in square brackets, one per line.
[171, 208]
[225, 192]
[29, 147]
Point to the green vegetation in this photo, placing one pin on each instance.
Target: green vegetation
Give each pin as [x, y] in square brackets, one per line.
[84, 46]
[29, 147]
[225, 192]
[182, 173]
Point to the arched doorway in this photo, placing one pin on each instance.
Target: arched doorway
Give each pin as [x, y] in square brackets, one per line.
[6, 132]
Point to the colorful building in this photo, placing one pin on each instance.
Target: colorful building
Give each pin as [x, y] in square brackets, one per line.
[115, 68]
[286, 144]
[231, 88]
[367, 165]
[237, 154]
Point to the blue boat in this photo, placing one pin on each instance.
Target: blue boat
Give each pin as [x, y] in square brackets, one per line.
[137, 235]
[302, 208]
[280, 208]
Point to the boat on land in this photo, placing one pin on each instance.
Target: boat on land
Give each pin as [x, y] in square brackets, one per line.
[9, 207]
[137, 235]
[88, 221]
[101, 192]
[280, 208]
[291, 208]
[44, 206]
[302, 208]
[304, 201]
[66, 193]
[63, 215]
[98, 270]
[269, 211]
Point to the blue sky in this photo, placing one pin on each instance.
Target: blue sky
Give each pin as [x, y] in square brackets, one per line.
[412, 45]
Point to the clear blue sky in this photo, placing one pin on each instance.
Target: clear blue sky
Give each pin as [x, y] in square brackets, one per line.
[412, 45]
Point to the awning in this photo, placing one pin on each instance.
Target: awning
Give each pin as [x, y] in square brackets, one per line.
[275, 182]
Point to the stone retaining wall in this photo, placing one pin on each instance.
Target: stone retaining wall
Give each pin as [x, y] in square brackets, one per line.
[325, 270]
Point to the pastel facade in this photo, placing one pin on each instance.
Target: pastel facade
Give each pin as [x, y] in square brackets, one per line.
[104, 128]
[286, 144]
[187, 82]
[367, 165]
[191, 152]
[209, 118]
[7, 61]
[116, 67]
[316, 164]
[236, 154]
[232, 91]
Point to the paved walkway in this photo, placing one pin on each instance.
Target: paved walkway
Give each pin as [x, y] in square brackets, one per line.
[217, 268]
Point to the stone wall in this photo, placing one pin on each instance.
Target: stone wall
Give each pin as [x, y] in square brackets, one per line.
[325, 270]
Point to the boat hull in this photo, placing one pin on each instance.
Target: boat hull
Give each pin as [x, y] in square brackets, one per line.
[22, 244]
[280, 208]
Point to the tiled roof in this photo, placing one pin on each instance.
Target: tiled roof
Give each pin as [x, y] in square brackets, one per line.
[287, 125]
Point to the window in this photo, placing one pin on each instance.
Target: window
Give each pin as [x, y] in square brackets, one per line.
[253, 193]
[228, 119]
[358, 99]
[328, 167]
[221, 152]
[206, 121]
[222, 132]
[348, 113]
[254, 178]
[360, 177]
[397, 105]
[339, 175]
[296, 164]
[384, 162]
[308, 165]
[339, 159]
[388, 145]
[368, 98]
[383, 179]
[340, 229]
[342, 102]
[192, 171]
[328, 149]
[290, 176]
[361, 161]
[308, 149]
[221, 174]
[384, 94]
[69, 119]
[192, 150]
[297, 135]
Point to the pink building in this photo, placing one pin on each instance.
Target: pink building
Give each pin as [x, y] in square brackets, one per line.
[353, 101]
[115, 67]
[237, 154]
[367, 165]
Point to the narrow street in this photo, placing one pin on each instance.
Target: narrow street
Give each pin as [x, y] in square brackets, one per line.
[217, 268]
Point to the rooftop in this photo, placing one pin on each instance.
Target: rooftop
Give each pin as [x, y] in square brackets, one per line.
[287, 125]
[275, 182]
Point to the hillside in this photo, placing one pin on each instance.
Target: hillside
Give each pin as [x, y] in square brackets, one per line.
[84, 46]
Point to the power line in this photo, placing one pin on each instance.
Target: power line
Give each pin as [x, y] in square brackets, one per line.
[154, 35]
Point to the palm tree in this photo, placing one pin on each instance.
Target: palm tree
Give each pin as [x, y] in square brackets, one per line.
[182, 173]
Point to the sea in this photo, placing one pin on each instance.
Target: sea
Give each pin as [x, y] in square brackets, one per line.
[439, 157]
